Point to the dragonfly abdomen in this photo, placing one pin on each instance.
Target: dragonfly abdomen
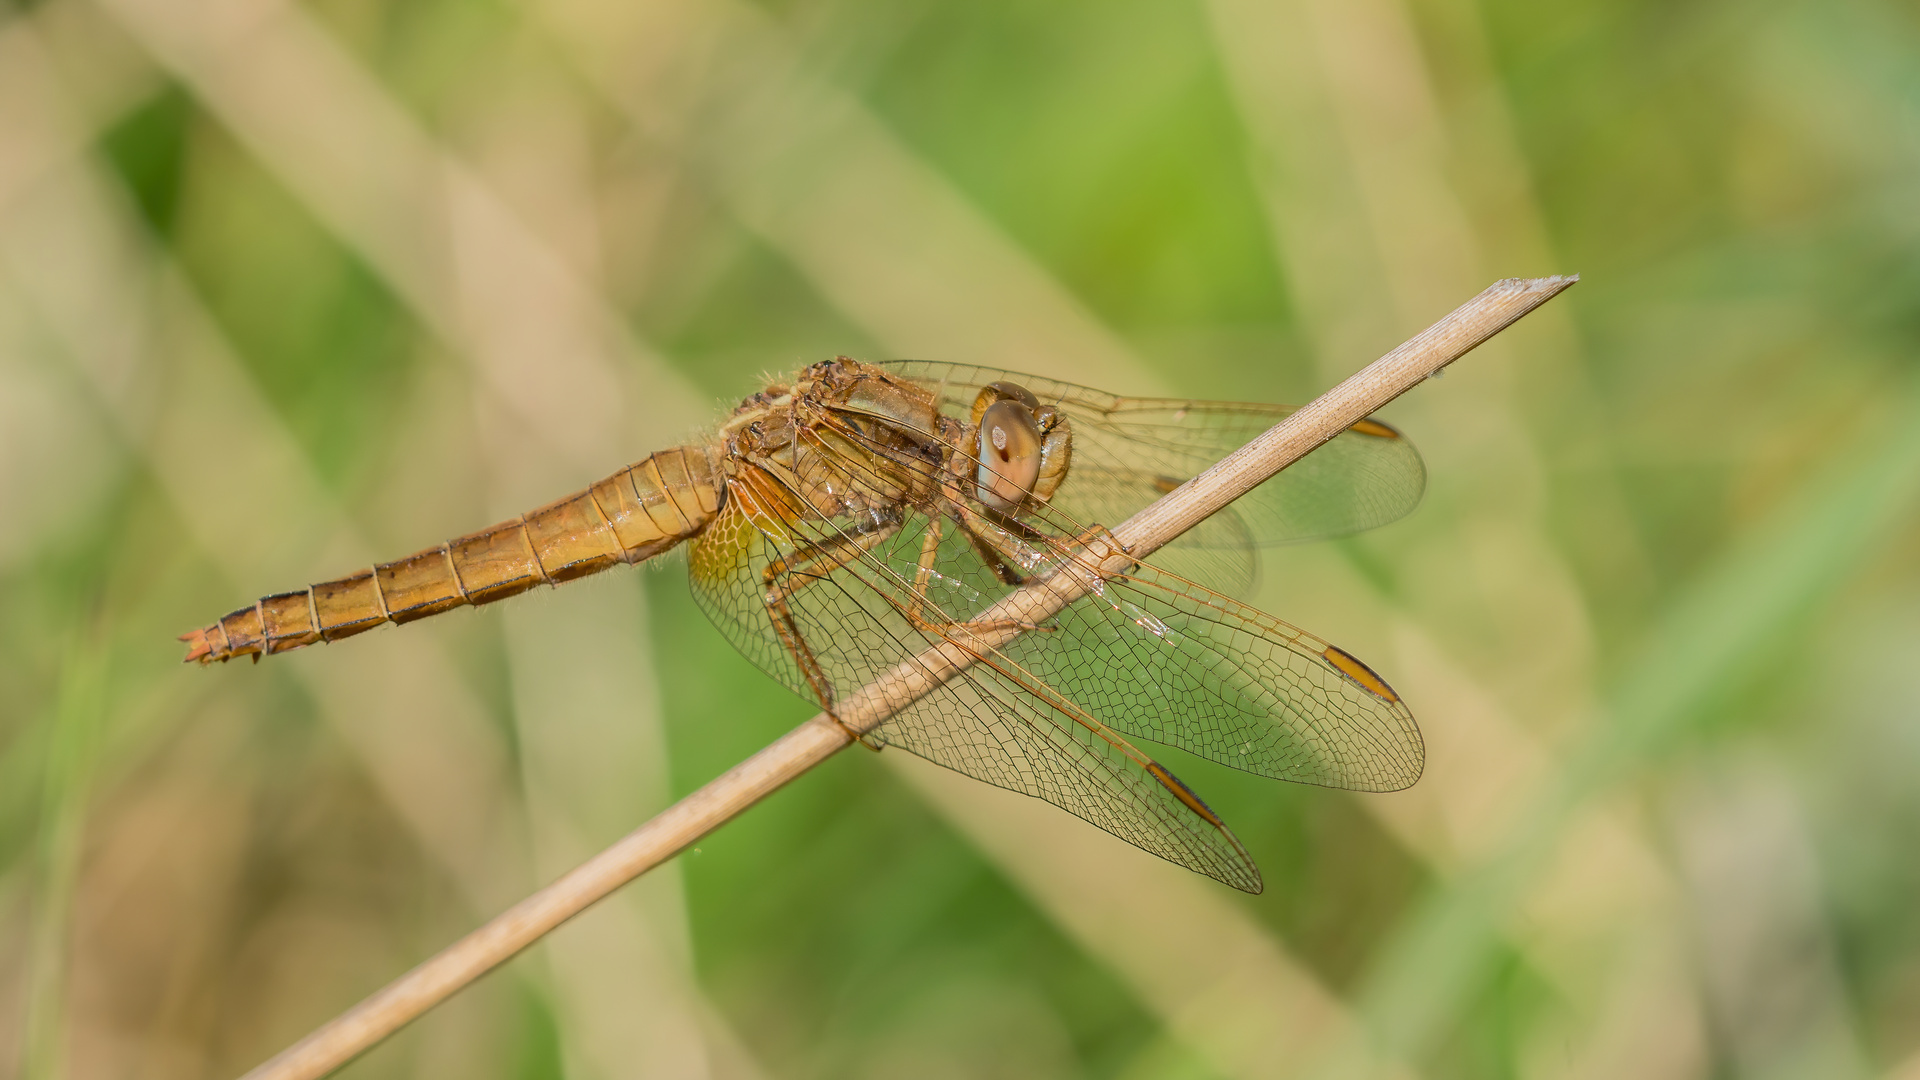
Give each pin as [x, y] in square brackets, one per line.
[633, 515]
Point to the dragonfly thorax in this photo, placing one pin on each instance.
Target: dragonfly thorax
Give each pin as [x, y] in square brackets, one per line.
[852, 438]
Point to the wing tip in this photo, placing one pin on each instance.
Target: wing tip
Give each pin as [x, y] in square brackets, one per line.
[1412, 761]
[1243, 873]
[1406, 769]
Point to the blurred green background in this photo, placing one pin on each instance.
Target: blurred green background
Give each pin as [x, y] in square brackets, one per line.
[287, 288]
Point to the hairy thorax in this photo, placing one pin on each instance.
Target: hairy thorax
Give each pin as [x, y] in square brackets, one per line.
[845, 439]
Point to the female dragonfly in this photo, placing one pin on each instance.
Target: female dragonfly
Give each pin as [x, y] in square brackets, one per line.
[845, 522]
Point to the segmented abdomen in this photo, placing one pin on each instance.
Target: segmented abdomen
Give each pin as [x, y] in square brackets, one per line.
[634, 514]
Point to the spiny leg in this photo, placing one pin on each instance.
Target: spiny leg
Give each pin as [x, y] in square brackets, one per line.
[972, 528]
[989, 539]
[786, 576]
[983, 530]
[923, 576]
[991, 556]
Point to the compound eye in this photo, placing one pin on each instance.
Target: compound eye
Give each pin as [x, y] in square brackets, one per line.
[1014, 392]
[1009, 456]
[1002, 391]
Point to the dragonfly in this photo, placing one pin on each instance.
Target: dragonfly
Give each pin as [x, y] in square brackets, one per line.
[844, 522]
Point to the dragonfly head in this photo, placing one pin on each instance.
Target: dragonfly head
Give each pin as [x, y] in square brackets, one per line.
[1020, 448]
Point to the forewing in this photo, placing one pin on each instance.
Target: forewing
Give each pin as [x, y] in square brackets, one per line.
[1127, 452]
[1160, 658]
[995, 722]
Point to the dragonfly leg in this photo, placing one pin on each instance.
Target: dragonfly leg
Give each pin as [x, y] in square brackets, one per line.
[1094, 545]
[923, 576]
[975, 530]
[786, 576]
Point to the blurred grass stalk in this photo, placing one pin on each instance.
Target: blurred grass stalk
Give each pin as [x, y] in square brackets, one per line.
[1362, 162]
[454, 826]
[1742, 613]
[66, 779]
[680, 826]
[122, 314]
[287, 62]
[241, 83]
[1377, 197]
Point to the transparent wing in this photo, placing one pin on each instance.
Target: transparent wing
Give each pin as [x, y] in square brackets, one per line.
[1127, 452]
[1149, 655]
[847, 585]
[1163, 659]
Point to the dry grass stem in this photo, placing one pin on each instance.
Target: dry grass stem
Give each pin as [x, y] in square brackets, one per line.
[693, 817]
